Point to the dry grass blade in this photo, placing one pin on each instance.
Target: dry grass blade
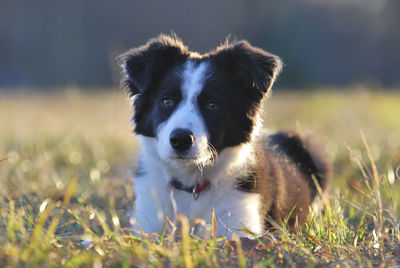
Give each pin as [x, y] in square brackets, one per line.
[187, 257]
[377, 188]
[240, 254]
[213, 224]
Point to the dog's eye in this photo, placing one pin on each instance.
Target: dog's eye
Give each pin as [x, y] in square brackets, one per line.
[212, 105]
[167, 102]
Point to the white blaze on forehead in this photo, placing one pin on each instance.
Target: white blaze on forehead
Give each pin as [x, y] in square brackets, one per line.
[193, 78]
[187, 115]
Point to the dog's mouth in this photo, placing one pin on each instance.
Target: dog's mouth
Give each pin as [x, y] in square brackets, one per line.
[184, 158]
[205, 158]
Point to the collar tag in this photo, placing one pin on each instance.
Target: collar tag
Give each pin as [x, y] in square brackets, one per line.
[195, 195]
[196, 192]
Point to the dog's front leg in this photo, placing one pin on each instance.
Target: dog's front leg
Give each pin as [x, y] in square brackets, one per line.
[151, 206]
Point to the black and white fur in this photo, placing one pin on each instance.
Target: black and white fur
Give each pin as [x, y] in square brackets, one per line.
[198, 118]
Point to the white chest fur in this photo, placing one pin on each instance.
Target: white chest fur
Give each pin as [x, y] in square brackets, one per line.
[156, 198]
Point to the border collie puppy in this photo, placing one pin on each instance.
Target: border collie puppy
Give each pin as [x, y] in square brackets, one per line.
[198, 118]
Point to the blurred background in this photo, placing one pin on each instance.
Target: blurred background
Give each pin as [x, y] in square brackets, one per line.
[51, 44]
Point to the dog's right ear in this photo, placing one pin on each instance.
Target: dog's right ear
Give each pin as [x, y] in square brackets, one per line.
[146, 65]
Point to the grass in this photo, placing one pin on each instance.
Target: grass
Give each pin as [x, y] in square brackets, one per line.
[66, 164]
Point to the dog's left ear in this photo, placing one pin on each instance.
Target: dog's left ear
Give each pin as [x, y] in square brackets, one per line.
[251, 63]
[147, 64]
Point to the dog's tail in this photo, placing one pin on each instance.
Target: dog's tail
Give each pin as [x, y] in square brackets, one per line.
[308, 155]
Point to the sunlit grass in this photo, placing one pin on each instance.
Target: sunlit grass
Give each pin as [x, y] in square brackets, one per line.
[66, 160]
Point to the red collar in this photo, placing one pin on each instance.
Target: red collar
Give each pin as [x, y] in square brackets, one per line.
[194, 189]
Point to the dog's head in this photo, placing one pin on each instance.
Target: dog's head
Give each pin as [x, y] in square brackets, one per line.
[194, 106]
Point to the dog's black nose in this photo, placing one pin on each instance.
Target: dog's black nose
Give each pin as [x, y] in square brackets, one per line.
[181, 139]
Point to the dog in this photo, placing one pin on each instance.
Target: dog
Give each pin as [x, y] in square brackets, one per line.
[199, 121]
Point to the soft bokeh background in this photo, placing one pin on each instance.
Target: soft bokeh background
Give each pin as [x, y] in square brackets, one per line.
[52, 43]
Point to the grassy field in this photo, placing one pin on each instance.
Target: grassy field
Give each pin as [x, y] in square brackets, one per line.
[66, 160]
